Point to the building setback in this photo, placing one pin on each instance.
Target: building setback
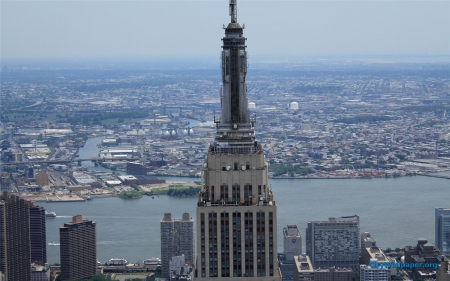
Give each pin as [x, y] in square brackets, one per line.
[236, 212]
[78, 249]
[344, 249]
[14, 238]
[177, 238]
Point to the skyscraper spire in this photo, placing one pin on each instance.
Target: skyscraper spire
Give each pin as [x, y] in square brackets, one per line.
[235, 127]
[233, 11]
[236, 212]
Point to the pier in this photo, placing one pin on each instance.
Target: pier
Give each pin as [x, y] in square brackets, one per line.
[436, 176]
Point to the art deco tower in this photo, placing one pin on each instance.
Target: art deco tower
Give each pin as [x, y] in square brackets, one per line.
[236, 211]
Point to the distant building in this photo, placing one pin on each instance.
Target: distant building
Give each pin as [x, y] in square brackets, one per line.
[443, 271]
[363, 151]
[292, 242]
[30, 173]
[333, 274]
[78, 249]
[376, 273]
[177, 238]
[5, 182]
[40, 272]
[179, 270]
[292, 247]
[129, 179]
[138, 168]
[14, 238]
[442, 230]
[303, 268]
[367, 241]
[42, 179]
[304, 271]
[373, 253]
[38, 241]
[345, 249]
[422, 253]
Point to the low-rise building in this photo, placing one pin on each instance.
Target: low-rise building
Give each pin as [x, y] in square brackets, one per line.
[443, 271]
[178, 269]
[40, 272]
[375, 273]
[304, 271]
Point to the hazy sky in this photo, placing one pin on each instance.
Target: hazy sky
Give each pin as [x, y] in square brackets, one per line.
[54, 29]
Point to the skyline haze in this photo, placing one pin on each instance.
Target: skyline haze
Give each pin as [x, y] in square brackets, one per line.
[181, 29]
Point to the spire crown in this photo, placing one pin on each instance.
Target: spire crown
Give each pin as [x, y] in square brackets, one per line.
[233, 11]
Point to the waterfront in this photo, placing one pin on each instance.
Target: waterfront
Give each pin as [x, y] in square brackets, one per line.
[397, 211]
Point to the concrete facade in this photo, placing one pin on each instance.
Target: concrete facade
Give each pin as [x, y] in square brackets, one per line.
[345, 249]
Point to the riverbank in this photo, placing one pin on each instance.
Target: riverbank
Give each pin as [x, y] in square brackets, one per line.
[125, 227]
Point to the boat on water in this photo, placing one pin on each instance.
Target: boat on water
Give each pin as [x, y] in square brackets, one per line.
[53, 244]
[88, 198]
[50, 214]
[152, 261]
[116, 261]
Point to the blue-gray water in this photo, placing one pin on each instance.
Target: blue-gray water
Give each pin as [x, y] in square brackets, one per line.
[396, 211]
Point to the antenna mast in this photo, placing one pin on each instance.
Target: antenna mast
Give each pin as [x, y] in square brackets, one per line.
[233, 11]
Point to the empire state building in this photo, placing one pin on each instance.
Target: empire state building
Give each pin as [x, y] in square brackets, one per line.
[236, 212]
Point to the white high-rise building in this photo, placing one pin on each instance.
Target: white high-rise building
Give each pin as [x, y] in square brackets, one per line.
[236, 211]
[292, 243]
[335, 242]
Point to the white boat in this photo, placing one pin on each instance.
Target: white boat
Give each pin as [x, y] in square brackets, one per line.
[50, 214]
[116, 261]
[53, 244]
[152, 261]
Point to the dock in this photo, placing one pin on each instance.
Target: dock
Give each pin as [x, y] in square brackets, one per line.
[435, 176]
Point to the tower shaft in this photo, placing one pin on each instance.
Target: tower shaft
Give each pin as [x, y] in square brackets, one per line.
[236, 212]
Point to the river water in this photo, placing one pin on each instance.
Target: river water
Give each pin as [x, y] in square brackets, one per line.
[396, 211]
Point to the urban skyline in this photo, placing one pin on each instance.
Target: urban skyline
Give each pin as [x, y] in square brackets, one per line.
[354, 124]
